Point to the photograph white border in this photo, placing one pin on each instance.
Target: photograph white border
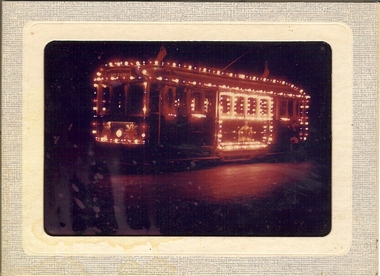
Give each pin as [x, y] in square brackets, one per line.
[38, 34]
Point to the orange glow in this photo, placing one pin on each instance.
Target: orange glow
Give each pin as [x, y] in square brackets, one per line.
[206, 70]
[119, 132]
[105, 139]
[198, 116]
[244, 106]
[241, 146]
[245, 110]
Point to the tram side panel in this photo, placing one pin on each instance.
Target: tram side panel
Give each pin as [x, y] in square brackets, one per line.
[135, 112]
[244, 124]
[186, 116]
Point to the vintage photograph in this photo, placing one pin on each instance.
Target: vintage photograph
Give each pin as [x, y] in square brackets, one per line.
[187, 138]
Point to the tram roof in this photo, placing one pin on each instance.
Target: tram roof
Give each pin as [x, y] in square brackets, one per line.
[171, 72]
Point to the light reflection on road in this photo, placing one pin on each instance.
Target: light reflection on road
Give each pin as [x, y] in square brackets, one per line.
[255, 199]
[233, 199]
[222, 183]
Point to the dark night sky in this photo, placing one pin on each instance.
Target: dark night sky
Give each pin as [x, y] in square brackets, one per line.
[69, 69]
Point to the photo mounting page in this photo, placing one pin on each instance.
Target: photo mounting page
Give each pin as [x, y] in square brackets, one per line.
[187, 138]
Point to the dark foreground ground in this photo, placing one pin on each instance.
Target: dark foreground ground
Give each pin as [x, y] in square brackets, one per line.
[279, 195]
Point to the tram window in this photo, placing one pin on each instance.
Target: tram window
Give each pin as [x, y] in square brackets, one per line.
[290, 108]
[117, 105]
[302, 108]
[206, 105]
[251, 106]
[169, 100]
[298, 106]
[196, 102]
[263, 107]
[209, 106]
[181, 101]
[239, 106]
[135, 99]
[154, 99]
[282, 108]
[225, 104]
[105, 104]
[209, 103]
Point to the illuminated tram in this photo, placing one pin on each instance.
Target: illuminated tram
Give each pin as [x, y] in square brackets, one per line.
[171, 106]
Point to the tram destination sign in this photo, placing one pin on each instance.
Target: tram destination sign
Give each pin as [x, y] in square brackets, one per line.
[118, 73]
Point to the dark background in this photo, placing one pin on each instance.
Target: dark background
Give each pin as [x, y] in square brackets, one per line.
[294, 208]
[70, 68]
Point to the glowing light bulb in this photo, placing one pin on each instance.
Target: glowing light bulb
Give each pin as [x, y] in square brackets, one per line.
[119, 132]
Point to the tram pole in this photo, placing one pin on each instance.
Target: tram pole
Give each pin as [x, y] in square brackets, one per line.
[236, 60]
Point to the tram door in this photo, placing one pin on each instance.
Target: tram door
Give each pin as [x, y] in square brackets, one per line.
[154, 115]
[202, 117]
[210, 122]
[168, 129]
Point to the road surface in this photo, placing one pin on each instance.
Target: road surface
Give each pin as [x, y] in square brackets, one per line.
[250, 199]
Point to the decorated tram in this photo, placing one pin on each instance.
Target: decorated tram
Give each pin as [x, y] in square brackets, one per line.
[195, 112]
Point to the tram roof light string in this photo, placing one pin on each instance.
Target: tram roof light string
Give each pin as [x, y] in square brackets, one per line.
[143, 66]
